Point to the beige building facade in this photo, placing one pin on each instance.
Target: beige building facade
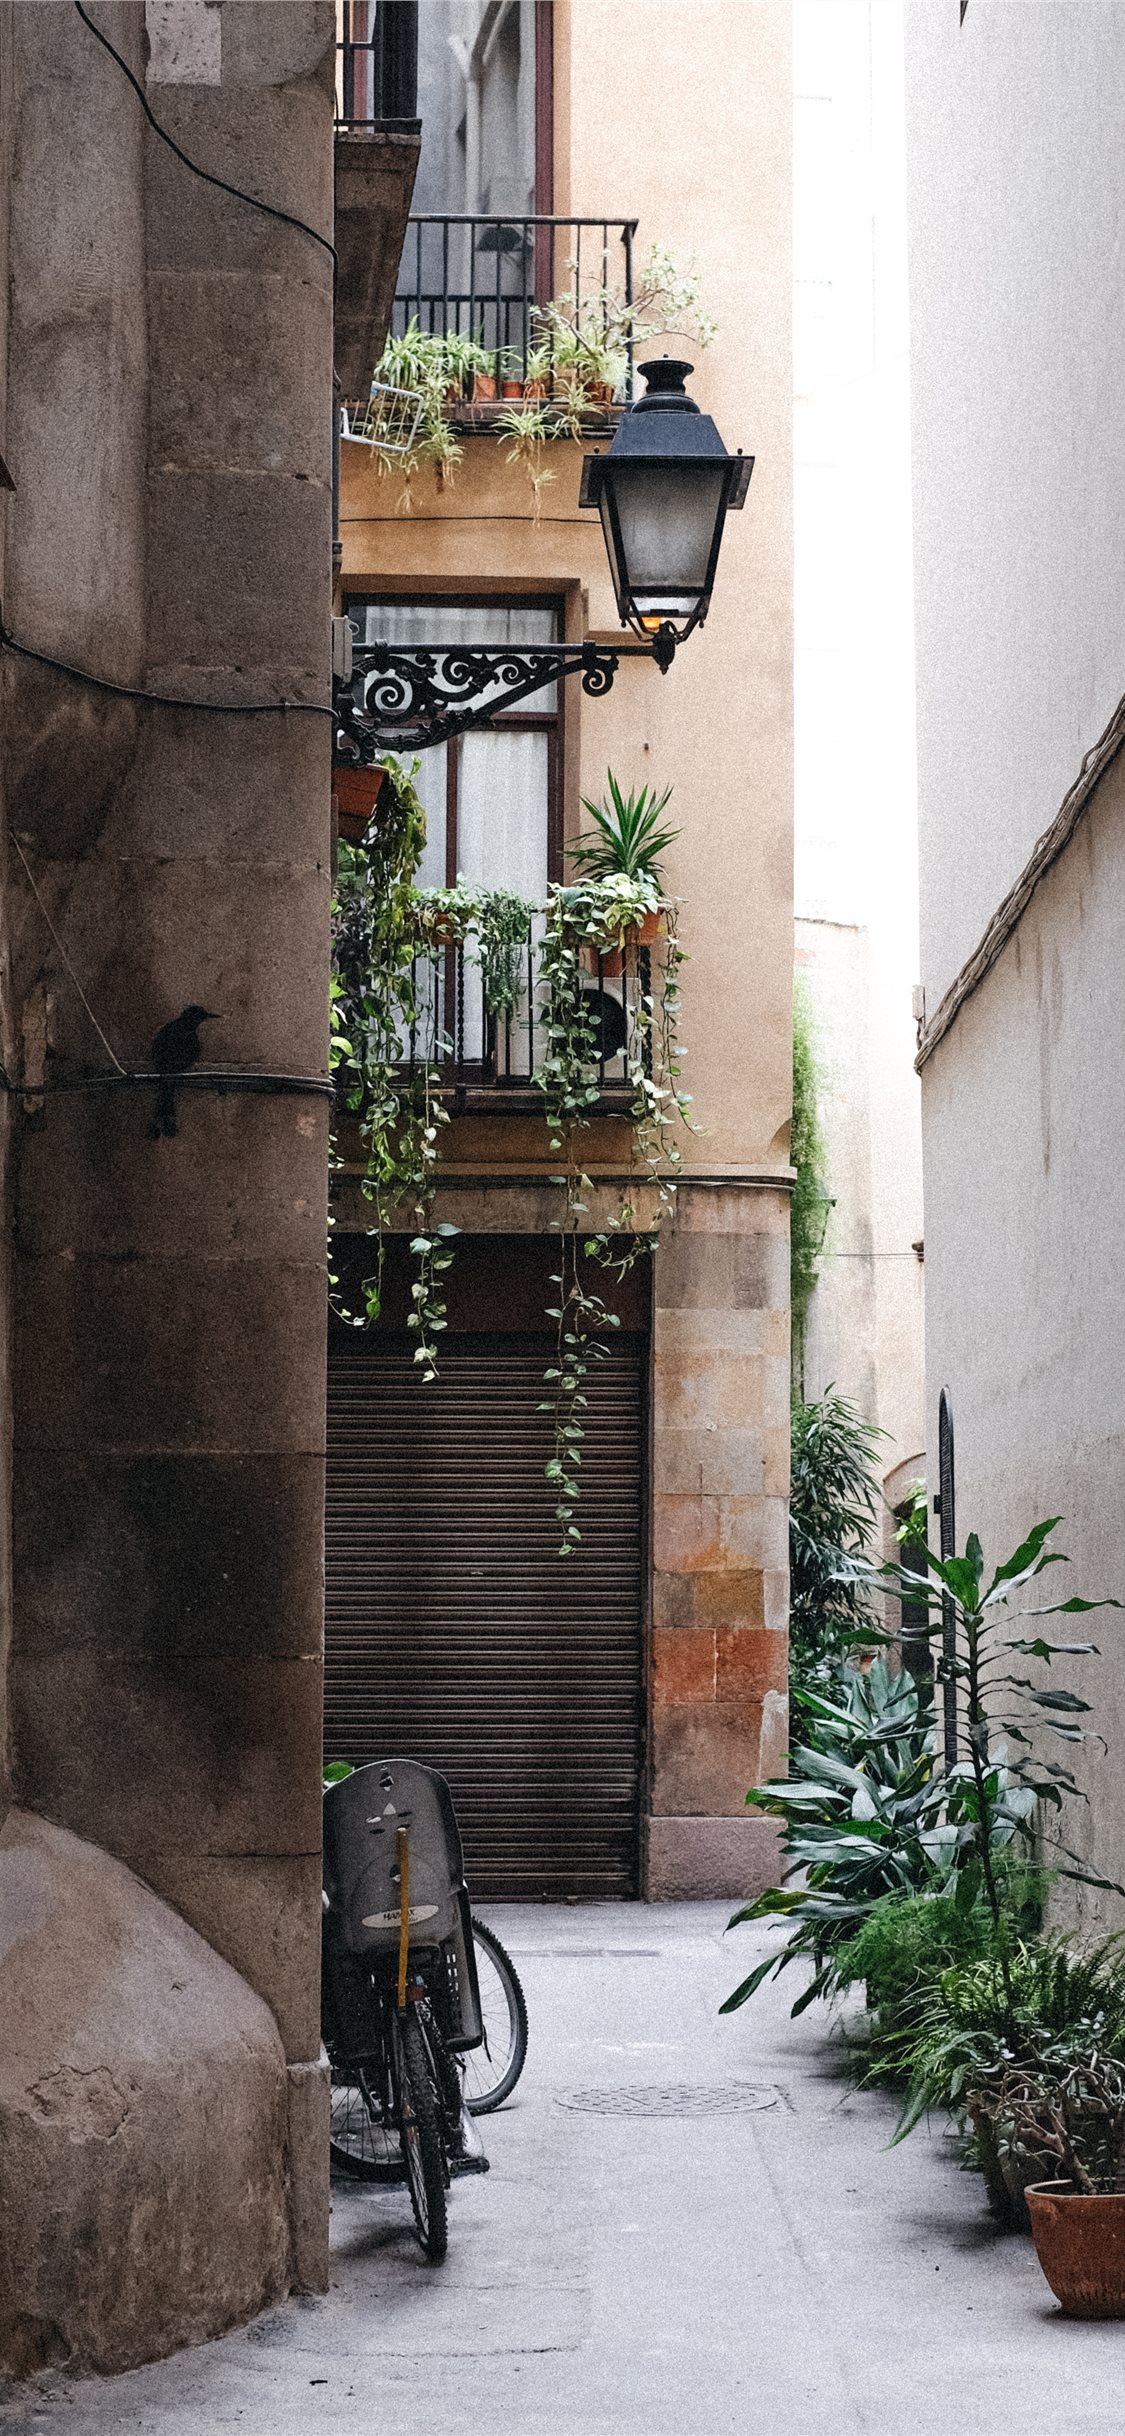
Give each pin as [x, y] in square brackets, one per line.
[704, 1450]
[1020, 575]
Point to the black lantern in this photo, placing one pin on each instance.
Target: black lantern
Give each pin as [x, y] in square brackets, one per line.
[663, 489]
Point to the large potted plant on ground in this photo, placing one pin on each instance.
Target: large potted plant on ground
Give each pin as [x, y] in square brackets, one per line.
[1068, 2106]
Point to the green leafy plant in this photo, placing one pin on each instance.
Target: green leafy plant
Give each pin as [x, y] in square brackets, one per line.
[833, 1505]
[594, 915]
[375, 1010]
[1066, 2110]
[504, 923]
[809, 1202]
[908, 1941]
[627, 836]
[1001, 1705]
[856, 1809]
[993, 2028]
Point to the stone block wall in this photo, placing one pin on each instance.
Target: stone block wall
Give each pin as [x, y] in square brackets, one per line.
[720, 1583]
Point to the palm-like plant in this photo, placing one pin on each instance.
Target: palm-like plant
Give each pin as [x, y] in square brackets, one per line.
[627, 835]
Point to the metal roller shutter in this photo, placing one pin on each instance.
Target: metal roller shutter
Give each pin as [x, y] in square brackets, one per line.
[456, 1635]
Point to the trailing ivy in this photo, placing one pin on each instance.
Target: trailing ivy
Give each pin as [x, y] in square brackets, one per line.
[584, 921]
[809, 1205]
[377, 1017]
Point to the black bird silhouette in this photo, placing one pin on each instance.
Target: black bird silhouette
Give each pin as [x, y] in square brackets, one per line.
[175, 1050]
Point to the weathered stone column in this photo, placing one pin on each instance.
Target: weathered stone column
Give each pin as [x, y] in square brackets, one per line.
[720, 1536]
[169, 385]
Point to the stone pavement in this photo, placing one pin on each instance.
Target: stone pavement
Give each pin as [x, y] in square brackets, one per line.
[742, 2257]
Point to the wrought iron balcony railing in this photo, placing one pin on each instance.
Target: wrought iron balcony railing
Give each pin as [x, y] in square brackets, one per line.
[488, 1060]
[494, 281]
[377, 64]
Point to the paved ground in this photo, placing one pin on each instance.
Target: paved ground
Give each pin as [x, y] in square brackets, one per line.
[776, 2271]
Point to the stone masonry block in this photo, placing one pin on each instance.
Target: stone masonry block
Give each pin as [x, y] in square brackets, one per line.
[170, 1556]
[717, 1209]
[776, 1461]
[696, 1331]
[714, 1462]
[696, 1860]
[683, 1668]
[697, 1388]
[210, 1756]
[310, 2097]
[284, 154]
[164, 1356]
[143, 2109]
[722, 1272]
[262, 1913]
[748, 1664]
[775, 1593]
[90, 1180]
[245, 396]
[708, 1598]
[229, 567]
[718, 1534]
[704, 1759]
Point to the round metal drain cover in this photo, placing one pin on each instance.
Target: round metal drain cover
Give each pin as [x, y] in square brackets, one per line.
[698, 2098]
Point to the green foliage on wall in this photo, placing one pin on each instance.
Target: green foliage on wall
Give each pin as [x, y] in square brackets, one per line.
[809, 1206]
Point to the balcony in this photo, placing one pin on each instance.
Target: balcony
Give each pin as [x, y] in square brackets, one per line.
[487, 1060]
[548, 302]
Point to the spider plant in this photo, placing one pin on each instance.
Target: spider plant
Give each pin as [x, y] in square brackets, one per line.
[627, 835]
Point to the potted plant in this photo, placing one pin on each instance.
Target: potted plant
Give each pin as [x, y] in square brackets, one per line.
[356, 790]
[444, 916]
[628, 841]
[1068, 2105]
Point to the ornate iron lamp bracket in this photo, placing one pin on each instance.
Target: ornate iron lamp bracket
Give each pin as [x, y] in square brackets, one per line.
[401, 699]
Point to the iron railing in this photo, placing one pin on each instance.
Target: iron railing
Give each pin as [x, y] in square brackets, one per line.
[476, 1051]
[467, 275]
[377, 64]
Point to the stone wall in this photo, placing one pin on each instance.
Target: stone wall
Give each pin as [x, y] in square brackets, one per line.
[168, 395]
[720, 1584]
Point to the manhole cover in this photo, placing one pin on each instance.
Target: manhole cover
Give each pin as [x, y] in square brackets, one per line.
[699, 2098]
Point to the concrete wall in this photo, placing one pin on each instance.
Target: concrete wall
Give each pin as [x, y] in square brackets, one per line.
[718, 728]
[168, 387]
[1015, 127]
[1017, 219]
[1024, 1106]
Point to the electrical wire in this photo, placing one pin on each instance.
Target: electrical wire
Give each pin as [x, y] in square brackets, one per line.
[139, 693]
[110, 1052]
[289, 219]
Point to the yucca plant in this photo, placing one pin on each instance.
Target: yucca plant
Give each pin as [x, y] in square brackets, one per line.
[627, 836]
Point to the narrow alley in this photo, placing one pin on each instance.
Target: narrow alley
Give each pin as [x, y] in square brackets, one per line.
[692, 2227]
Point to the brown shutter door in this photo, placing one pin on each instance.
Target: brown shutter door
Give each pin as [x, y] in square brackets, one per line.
[455, 1634]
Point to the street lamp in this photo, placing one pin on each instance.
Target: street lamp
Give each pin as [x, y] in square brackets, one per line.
[662, 489]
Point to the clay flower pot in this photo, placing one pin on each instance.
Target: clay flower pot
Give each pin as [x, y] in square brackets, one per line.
[1080, 2243]
[484, 388]
[357, 793]
[511, 389]
[535, 389]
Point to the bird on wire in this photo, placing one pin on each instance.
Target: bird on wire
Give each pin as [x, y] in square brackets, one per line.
[175, 1050]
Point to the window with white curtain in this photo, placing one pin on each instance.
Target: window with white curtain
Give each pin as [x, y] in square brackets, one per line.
[492, 806]
[491, 797]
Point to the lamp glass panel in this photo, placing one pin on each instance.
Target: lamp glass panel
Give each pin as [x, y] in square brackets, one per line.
[667, 515]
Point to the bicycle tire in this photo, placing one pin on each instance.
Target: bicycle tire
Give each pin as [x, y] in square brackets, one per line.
[420, 2134]
[492, 2070]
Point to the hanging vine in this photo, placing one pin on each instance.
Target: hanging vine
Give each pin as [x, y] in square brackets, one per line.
[385, 1052]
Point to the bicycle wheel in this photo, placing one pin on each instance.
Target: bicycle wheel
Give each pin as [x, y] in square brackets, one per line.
[359, 2142]
[420, 2133]
[492, 2070]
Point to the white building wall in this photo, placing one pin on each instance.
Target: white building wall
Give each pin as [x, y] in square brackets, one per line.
[1016, 137]
[1017, 230]
[856, 928]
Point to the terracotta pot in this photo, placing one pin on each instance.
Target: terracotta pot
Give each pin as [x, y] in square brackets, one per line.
[453, 394]
[535, 389]
[1080, 2243]
[484, 388]
[600, 393]
[638, 934]
[511, 389]
[357, 793]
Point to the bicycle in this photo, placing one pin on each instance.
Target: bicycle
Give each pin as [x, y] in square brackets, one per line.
[399, 1992]
[492, 2069]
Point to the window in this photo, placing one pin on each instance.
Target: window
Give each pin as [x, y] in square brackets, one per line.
[492, 797]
